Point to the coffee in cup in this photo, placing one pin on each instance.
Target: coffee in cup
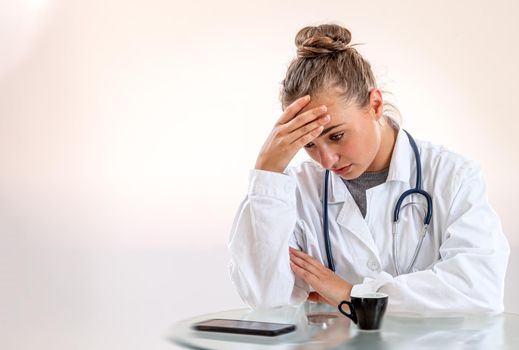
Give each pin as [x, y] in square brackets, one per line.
[366, 310]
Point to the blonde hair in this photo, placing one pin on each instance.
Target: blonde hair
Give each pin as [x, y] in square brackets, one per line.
[325, 59]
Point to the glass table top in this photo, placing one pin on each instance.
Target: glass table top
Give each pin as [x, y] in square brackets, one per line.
[322, 327]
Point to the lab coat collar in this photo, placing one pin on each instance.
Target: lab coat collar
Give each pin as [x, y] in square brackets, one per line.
[400, 166]
[402, 160]
[337, 189]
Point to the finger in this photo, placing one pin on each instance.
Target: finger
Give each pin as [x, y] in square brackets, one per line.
[314, 281]
[318, 298]
[305, 265]
[307, 258]
[305, 275]
[313, 296]
[307, 128]
[292, 110]
[304, 118]
[307, 138]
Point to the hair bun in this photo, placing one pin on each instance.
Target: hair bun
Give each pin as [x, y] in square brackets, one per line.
[322, 40]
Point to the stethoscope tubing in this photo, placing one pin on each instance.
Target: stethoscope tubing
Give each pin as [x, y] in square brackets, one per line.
[327, 243]
[416, 190]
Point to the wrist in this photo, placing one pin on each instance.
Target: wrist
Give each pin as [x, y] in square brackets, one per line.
[268, 167]
[347, 292]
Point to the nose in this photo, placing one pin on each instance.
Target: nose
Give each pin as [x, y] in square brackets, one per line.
[327, 157]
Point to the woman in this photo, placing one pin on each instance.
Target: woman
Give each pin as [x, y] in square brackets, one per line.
[333, 109]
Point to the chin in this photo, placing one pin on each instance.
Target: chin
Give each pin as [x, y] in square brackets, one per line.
[352, 175]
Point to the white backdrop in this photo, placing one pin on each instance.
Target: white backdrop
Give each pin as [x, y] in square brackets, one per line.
[127, 130]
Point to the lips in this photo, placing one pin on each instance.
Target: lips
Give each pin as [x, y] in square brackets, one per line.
[343, 170]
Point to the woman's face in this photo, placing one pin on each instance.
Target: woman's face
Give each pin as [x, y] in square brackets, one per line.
[351, 141]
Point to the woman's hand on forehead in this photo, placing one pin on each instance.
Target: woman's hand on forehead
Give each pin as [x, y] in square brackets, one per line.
[292, 131]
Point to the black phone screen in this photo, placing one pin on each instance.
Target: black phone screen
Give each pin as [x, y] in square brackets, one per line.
[244, 327]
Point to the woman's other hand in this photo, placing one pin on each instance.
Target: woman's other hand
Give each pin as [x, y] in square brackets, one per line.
[329, 288]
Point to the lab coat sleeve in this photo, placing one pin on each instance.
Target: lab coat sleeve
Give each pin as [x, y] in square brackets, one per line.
[469, 277]
[262, 231]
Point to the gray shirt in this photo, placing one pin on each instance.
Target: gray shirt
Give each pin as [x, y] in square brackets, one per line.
[358, 186]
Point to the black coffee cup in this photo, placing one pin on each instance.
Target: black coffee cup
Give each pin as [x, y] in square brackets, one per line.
[366, 310]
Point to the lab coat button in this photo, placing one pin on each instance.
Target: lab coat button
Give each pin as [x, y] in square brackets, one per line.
[373, 265]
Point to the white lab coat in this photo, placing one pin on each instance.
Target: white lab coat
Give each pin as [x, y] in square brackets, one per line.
[461, 265]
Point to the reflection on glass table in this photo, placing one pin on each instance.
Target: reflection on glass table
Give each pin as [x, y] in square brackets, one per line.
[323, 327]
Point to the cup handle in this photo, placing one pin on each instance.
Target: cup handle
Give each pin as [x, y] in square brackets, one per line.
[352, 316]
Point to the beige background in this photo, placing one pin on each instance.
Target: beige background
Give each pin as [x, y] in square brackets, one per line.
[127, 129]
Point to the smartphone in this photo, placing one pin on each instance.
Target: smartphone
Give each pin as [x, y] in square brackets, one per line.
[244, 327]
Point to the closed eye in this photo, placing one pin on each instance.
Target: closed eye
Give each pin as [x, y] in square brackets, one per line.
[334, 137]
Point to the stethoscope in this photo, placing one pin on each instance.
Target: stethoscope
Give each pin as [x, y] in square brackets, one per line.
[396, 213]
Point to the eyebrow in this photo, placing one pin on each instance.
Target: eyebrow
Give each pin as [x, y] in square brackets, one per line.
[327, 130]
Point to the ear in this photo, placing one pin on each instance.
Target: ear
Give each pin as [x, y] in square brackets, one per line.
[376, 103]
